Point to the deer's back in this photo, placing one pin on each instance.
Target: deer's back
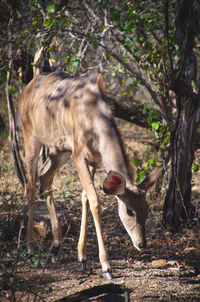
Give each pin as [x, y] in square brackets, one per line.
[65, 112]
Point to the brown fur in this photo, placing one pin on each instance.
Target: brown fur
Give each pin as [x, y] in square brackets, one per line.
[71, 116]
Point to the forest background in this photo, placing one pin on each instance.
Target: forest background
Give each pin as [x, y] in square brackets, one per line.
[148, 53]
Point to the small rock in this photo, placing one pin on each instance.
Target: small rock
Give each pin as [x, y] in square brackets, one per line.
[189, 249]
[159, 263]
[138, 263]
[173, 263]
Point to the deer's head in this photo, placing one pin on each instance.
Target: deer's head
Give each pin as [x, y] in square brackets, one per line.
[132, 204]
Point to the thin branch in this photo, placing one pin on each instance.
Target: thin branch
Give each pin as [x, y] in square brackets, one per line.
[137, 75]
[91, 11]
[122, 42]
[83, 46]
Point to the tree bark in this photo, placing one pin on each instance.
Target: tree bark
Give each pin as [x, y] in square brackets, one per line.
[2, 123]
[177, 207]
[132, 111]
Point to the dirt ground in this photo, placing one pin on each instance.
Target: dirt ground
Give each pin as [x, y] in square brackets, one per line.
[168, 270]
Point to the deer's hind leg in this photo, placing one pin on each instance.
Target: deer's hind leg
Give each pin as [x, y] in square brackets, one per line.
[46, 175]
[32, 148]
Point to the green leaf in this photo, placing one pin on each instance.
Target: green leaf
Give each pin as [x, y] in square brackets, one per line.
[155, 126]
[145, 107]
[95, 44]
[165, 141]
[195, 167]
[129, 26]
[3, 76]
[105, 2]
[35, 21]
[51, 8]
[46, 23]
[140, 176]
[137, 162]
[106, 55]
[11, 90]
[150, 116]
[124, 93]
[102, 26]
[75, 64]
[115, 14]
[153, 162]
[131, 10]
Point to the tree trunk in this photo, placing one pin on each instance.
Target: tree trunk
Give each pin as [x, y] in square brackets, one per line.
[177, 206]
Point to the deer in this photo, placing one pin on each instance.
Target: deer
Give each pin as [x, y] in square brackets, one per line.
[72, 117]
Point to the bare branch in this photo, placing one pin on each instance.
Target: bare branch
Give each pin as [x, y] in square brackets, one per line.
[83, 46]
[122, 42]
[91, 11]
[136, 74]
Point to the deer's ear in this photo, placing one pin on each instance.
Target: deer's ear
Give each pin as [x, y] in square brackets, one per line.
[150, 180]
[114, 184]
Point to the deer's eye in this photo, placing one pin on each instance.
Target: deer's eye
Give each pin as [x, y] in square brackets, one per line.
[130, 213]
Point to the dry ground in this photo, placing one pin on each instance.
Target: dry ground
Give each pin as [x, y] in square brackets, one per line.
[169, 270]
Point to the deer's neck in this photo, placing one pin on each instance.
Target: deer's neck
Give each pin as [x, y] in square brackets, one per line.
[113, 154]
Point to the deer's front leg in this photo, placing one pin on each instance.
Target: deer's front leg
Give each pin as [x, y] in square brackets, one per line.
[89, 188]
[32, 148]
[82, 243]
[30, 192]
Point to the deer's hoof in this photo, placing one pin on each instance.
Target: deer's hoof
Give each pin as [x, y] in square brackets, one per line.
[83, 265]
[55, 250]
[108, 275]
[56, 242]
